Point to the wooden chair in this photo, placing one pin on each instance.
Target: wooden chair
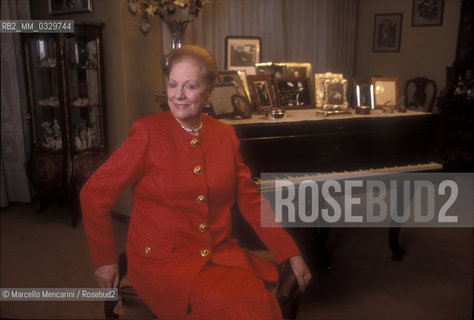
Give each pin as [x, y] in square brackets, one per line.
[416, 99]
[130, 306]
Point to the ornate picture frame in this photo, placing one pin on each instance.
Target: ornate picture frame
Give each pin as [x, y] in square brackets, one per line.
[387, 32]
[385, 92]
[427, 13]
[319, 79]
[69, 6]
[262, 92]
[242, 53]
[294, 93]
[335, 94]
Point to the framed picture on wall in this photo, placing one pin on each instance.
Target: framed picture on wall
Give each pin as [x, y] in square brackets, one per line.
[387, 32]
[69, 6]
[242, 53]
[427, 13]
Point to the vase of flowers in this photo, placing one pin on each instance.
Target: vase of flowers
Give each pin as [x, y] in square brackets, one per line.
[177, 14]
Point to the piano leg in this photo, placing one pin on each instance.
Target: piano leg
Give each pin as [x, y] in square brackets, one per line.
[323, 255]
[393, 240]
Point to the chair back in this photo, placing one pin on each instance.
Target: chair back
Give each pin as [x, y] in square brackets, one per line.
[420, 94]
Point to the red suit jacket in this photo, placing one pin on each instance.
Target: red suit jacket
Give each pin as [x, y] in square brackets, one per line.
[184, 187]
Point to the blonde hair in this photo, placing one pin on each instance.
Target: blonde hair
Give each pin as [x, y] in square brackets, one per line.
[197, 54]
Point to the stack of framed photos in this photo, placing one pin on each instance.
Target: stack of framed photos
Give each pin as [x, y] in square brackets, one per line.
[283, 84]
[231, 96]
[250, 84]
[270, 84]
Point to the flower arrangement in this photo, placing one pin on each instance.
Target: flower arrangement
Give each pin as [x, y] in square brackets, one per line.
[171, 10]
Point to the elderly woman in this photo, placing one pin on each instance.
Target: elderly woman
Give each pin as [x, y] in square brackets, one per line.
[187, 172]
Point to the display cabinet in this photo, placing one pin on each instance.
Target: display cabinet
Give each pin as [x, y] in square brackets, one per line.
[67, 107]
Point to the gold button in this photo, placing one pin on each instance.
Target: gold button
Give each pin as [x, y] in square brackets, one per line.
[197, 170]
[147, 250]
[203, 227]
[204, 252]
[194, 142]
[201, 199]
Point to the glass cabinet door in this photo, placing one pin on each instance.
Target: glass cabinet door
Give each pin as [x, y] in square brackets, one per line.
[84, 105]
[44, 91]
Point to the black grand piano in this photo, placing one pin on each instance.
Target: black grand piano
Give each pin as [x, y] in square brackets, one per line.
[338, 146]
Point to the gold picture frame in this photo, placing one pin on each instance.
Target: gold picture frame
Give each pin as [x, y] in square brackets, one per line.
[319, 79]
[385, 92]
[335, 94]
[297, 69]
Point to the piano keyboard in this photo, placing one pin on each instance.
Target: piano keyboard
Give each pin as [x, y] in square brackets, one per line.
[269, 184]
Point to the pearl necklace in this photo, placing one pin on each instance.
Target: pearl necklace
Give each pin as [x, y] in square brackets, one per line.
[193, 131]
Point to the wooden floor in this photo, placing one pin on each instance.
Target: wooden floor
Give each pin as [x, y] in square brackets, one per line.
[434, 281]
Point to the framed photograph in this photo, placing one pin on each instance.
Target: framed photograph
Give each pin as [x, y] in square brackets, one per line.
[387, 32]
[242, 53]
[335, 94]
[274, 70]
[262, 92]
[427, 13]
[385, 92]
[294, 93]
[69, 6]
[319, 79]
[297, 69]
[242, 106]
[232, 77]
[364, 93]
[243, 77]
[222, 100]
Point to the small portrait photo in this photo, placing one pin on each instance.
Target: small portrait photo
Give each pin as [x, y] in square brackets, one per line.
[294, 92]
[427, 13]
[262, 92]
[363, 93]
[335, 93]
[387, 32]
[69, 6]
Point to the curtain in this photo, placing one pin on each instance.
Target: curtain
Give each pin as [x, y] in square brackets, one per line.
[15, 129]
[321, 32]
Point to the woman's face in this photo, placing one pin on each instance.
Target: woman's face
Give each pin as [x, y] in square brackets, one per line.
[187, 91]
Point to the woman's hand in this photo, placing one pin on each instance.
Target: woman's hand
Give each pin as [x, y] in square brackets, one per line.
[107, 275]
[301, 271]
